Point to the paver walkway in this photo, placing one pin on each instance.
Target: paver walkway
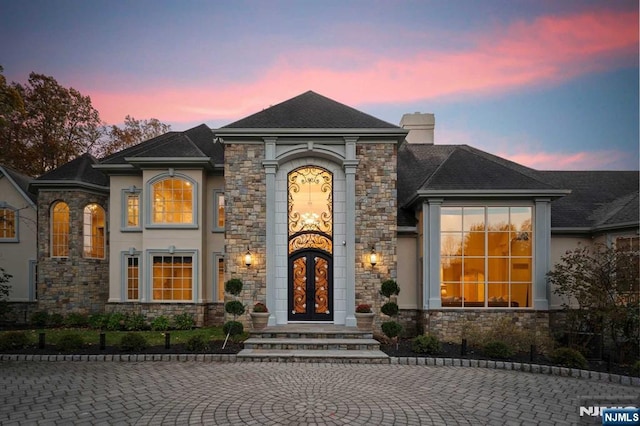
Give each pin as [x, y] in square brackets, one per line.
[172, 393]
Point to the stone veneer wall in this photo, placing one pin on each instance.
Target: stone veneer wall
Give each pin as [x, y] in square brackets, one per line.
[449, 325]
[246, 220]
[72, 284]
[376, 220]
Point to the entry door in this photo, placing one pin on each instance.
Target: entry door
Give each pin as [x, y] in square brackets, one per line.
[310, 286]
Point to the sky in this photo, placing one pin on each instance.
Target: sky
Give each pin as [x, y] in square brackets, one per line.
[550, 84]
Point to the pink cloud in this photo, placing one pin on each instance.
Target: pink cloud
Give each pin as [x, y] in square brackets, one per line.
[592, 160]
[543, 51]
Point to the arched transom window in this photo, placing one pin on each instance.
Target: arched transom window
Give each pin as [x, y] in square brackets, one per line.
[172, 201]
[93, 235]
[60, 229]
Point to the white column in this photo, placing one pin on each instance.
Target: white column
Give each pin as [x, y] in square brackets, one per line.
[431, 256]
[350, 166]
[270, 167]
[542, 253]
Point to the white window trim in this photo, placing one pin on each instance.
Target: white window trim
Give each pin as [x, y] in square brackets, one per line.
[124, 214]
[124, 275]
[215, 216]
[148, 214]
[171, 251]
[16, 218]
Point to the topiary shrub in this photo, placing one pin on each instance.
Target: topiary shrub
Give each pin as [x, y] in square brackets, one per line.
[70, 342]
[234, 307]
[40, 319]
[115, 321]
[98, 321]
[233, 286]
[389, 288]
[498, 349]
[197, 343]
[133, 342]
[12, 340]
[135, 322]
[568, 357]
[391, 329]
[390, 308]
[160, 323]
[233, 328]
[426, 344]
[76, 320]
[184, 321]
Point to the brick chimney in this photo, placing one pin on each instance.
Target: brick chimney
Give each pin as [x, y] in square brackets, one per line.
[420, 126]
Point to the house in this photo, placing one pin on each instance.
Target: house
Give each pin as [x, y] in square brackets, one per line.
[296, 200]
[18, 232]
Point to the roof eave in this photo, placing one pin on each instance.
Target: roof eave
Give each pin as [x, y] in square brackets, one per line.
[486, 193]
[398, 133]
[68, 184]
[18, 187]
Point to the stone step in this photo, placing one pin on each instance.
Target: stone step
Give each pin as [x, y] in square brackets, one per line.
[322, 332]
[312, 343]
[306, 355]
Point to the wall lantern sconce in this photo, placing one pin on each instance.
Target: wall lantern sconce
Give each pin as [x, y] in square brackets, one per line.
[248, 258]
[373, 257]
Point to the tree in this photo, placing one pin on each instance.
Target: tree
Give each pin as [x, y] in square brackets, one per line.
[57, 125]
[599, 286]
[133, 132]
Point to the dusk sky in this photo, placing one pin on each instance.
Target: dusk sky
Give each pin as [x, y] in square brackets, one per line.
[549, 84]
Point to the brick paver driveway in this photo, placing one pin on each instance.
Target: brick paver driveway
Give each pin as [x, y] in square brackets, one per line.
[287, 393]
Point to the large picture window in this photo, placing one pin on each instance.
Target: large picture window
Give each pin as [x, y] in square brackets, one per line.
[486, 257]
[60, 230]
[8, 223]
[172, 201]
[172, 278]
[93, 231]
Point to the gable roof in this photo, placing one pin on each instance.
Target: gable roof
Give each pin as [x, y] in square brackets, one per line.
[195, 143]
[21, 182]
[76, 173]
[310, 111]
[599, 199]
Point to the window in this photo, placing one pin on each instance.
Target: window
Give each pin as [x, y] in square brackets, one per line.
[131, 209]
[93, 235]
[172, 201]
[60, 230]
[218, 211]
[486, 256]
[132, 277]
[8, 224]
[218, 276]
[172, 278]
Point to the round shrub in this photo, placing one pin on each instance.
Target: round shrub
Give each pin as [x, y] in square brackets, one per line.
[160, 323]
[197, 343]
[135, 322]
[391, 329]
[389, 288]
[498, 349]
[233, 286]
[76, 319]
[184, 321]
[233, 328]
[55, 320]
[568, 357]
[115, 321]
[13, 340]
[98, 321]
[234, 307]
[40, 319]
[133, 342]
[390, 309]
[426, 344]
[70, 342]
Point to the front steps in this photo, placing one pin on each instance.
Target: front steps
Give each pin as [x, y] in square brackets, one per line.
[312, 343]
